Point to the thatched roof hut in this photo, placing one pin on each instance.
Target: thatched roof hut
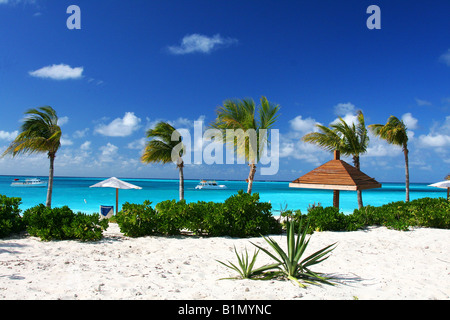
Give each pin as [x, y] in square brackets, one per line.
[336, 175]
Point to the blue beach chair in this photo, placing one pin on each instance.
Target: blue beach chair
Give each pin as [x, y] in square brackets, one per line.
[106, 212]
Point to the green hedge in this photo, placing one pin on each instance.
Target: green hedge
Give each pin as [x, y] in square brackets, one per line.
[400, 215]
[241, 215]
[63, 224]
[10, 219]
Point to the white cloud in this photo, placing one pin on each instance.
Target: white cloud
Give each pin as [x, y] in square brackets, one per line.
[380, 148]
[291, 145]
[65, 141]
[108, 153]
[435, 140]
[62, 121]
[16, 1]
[342, 109]
[349, 119]
[445, 58]
[80, 133]
[58, 72]
[137, 144]
[8, 136]
[201, 43]
[86, 145]
[120, 127]
[410, 121]
[303, 125]
[438, 137]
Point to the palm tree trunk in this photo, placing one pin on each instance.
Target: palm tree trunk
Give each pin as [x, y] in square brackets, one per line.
[358, 192]
[180, 167]
[405, 151]
[50, 181]
[251, 176]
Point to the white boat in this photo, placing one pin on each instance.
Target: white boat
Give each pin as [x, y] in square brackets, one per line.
[210, 185]
[34, 182]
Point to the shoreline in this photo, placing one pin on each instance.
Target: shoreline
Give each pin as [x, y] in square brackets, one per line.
[371, 264]
[186, 179]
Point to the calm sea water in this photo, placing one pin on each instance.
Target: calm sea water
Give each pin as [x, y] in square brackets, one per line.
[75, 193]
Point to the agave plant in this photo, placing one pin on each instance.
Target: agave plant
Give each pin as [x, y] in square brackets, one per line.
[245, 268]
[290, 264]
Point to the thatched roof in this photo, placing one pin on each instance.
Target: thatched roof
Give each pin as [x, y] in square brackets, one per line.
[336, 175]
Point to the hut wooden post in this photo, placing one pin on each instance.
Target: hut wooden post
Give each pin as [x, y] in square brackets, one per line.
[337, 156]
[336, 198]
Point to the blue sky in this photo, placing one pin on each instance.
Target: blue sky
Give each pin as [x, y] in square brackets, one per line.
[136, 62]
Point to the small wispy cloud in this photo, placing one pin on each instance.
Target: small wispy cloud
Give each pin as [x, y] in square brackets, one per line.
[445, 58]
[16, 1]
[422, 103]
[200, 43]
[342, 109]
[58, 72]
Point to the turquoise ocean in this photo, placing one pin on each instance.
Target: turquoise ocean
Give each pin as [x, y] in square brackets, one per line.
[75, 193]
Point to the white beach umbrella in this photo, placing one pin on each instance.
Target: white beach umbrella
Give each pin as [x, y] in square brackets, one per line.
[117, 184]
[444, 185]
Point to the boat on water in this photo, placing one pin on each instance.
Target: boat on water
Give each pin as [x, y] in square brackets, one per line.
[210, 185]
[34, 182]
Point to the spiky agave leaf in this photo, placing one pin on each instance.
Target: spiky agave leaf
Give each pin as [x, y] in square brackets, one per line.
[290, 263]
[245, 269]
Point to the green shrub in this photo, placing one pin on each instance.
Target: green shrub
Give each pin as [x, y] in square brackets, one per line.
[328, 218]
[137, 220]
[241, 215]
[205, 218]
[171, 216]
[10, 219]
[63, 224]
[400, 215]
[86, 227]
[245, 216]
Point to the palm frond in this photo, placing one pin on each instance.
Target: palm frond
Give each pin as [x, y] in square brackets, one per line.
[40, 133]
[394, 131]
[164, 140]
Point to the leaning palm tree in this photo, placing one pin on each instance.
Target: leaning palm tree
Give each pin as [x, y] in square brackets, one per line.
[395, 132]
[165, 146]
[40, 133]
[355, 143]
[246, 128]
[350, 140]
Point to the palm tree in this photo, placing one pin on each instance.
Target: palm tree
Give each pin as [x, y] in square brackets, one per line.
[40, 133]
[164, 147]
[246, 128]
[350, 140]
[395, 132]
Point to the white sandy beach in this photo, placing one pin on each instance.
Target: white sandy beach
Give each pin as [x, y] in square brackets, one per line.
[377, 263]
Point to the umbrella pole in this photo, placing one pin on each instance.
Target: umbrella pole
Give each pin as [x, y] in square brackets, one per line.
[117, 200]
